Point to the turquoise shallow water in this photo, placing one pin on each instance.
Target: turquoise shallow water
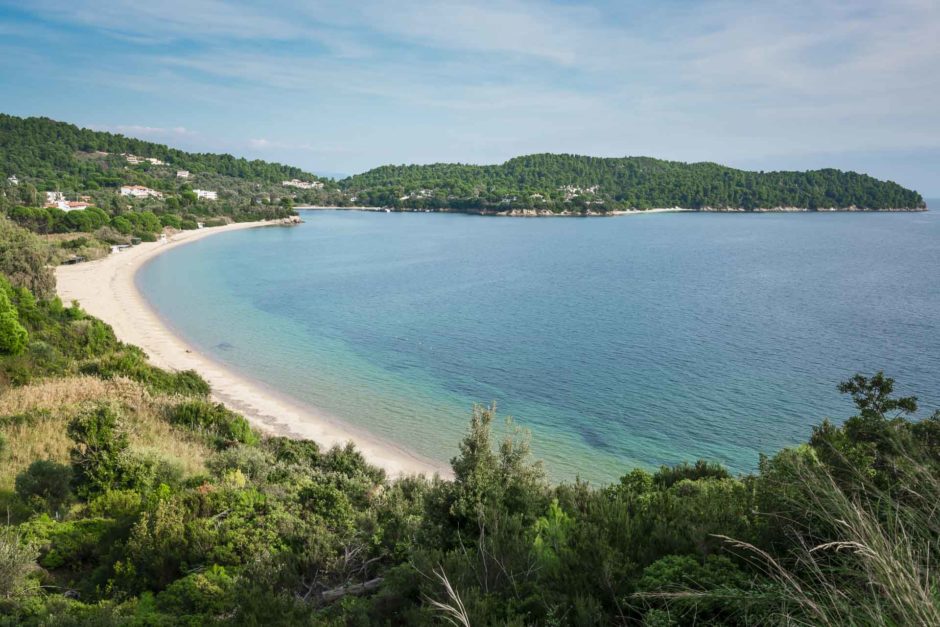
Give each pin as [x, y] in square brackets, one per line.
[620, 342]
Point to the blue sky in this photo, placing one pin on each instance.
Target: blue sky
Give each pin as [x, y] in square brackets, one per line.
[339, 87]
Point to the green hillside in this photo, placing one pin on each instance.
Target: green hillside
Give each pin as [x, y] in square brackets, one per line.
[86, 169]
[44, 155]
[56, 155]
[577, 183]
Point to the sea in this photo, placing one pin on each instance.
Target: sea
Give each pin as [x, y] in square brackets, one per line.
[616, 343]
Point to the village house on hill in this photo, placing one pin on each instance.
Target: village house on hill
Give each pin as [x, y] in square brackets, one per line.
[206, 194]
[135, 160]
[139, 191]
[58, 201]
[302, 184]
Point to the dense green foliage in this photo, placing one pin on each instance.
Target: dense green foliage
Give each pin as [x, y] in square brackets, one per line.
[578, 184]
[24, 260]
[48, 156]
[57, 155]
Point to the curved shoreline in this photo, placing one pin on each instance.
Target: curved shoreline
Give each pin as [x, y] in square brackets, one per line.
[106, 289]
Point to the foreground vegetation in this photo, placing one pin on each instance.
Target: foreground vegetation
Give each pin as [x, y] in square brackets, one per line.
[131, 498]
[578, 184]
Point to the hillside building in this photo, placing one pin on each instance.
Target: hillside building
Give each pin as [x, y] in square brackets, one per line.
[139, 191]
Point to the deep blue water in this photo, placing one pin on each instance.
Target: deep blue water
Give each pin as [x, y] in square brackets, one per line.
[639, 340]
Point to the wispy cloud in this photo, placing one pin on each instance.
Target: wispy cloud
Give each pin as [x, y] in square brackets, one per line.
[138, 130]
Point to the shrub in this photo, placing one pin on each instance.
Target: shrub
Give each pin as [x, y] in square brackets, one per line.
[47, 481]
[17, 561]
[145, 236]
[117, 504]
[132, 363]
[215, 420]
[668, 476]
[97, 454]
[199, 597]
[293, 451]
[25, 259]
[252, 461]
[13, 336]
[171, 220]
[73, 544]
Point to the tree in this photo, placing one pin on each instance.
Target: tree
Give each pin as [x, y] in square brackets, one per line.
[13, 336]
[25, 260]
[97, 454]
[17, 562]
[46, 481]
[872, 396]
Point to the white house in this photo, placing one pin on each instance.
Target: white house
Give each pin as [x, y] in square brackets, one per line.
[139, 191]
[68, 205]
[135, 160]
[302, 184]
[54, 197]
[203, 193]
[13, 180]
[182, 174]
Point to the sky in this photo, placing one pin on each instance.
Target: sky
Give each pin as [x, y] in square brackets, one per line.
[341, 87]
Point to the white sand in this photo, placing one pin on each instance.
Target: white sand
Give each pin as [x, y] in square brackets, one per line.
[105, 288]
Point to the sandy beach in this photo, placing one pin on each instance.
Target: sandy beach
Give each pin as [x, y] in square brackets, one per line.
[106, 289]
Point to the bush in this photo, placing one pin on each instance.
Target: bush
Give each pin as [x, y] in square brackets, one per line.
[99, 448]
[188, 225]
[13, 336]
[25, 259]
[293, 451]
[73, 544]
[145, 236]
[47, 481]
[17, 561]
[171, 220]
[117, 504]
[215, 420]
[199, 598]
[132, 363]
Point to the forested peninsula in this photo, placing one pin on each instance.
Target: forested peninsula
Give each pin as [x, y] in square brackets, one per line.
[54, 173]
[546, 184]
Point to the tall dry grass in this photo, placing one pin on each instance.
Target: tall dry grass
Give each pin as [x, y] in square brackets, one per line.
[49, 405]
[876, 565]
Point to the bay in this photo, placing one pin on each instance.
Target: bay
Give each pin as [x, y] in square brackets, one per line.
[618, 342]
